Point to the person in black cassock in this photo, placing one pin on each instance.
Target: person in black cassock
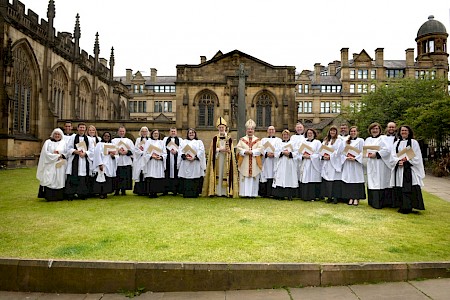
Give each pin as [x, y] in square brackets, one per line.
[172, 145]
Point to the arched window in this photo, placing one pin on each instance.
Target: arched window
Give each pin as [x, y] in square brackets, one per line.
[60, 90]
[84, 97]
[22, 80]
[264, 110]
[206, 110]
[101, 105]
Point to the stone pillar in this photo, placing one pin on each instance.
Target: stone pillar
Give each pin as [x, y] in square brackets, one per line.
[241, 102]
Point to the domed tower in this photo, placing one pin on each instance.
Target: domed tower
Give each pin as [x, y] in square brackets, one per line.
[432, 47]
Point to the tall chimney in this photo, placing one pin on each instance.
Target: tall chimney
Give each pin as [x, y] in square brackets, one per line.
[344, 57]
[332, 69]
[379, 57]
[317, 69]
[410, 57]
[202, 59]
[153, 73]
[129, 75]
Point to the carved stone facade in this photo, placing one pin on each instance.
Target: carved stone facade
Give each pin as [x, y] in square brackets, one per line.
[210, 90]
[46, 78]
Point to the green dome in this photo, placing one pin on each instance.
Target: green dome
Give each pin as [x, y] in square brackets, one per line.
[430, 27]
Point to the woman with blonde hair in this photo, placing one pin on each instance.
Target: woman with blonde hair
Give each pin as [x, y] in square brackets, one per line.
[140, 187]
[94, 139]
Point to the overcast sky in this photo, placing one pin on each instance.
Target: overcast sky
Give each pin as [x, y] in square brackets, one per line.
[163, 33]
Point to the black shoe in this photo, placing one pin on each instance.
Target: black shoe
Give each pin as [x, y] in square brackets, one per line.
[116, 193]
[165, 194]
[124, 193]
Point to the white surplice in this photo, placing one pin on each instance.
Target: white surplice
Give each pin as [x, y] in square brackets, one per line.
[195, 168]
[109, 163]
[418, 171]
[154, 168]
[268, 162]
[285, 169]
[47, 173]
[353, 171]
[310, 169]
[82, 161]
[378, 170]
[124, 160]
[138, 159]
[332, 168]
[172, 165]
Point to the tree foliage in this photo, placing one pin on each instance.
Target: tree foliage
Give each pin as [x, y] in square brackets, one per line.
[422, 104]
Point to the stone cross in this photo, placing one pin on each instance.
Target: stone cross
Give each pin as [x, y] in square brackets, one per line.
[241, 102]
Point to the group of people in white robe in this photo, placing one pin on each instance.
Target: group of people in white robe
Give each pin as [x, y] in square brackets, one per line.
[300, 166]
[293, 166]
[78, 166]
[83, 164]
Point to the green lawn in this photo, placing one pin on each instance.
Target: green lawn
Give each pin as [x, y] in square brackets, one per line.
[132, 228]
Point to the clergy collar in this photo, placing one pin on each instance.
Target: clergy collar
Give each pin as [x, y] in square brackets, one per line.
[271, 137]
[285, 141]
[374, 137]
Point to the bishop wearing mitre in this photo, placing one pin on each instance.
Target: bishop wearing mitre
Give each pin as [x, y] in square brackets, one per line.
[221, 172]
[249, 150]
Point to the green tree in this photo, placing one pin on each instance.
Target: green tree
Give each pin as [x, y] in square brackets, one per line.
[422, 104]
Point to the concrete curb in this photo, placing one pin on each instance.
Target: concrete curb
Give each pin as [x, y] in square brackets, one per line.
[61, 276]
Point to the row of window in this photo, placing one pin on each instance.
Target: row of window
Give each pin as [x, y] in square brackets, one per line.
[141, 106]
[425, 74]
[326, 107]
[361, 88]
[303, 88]
[139, 88]
[330, 88]
[363, 74]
